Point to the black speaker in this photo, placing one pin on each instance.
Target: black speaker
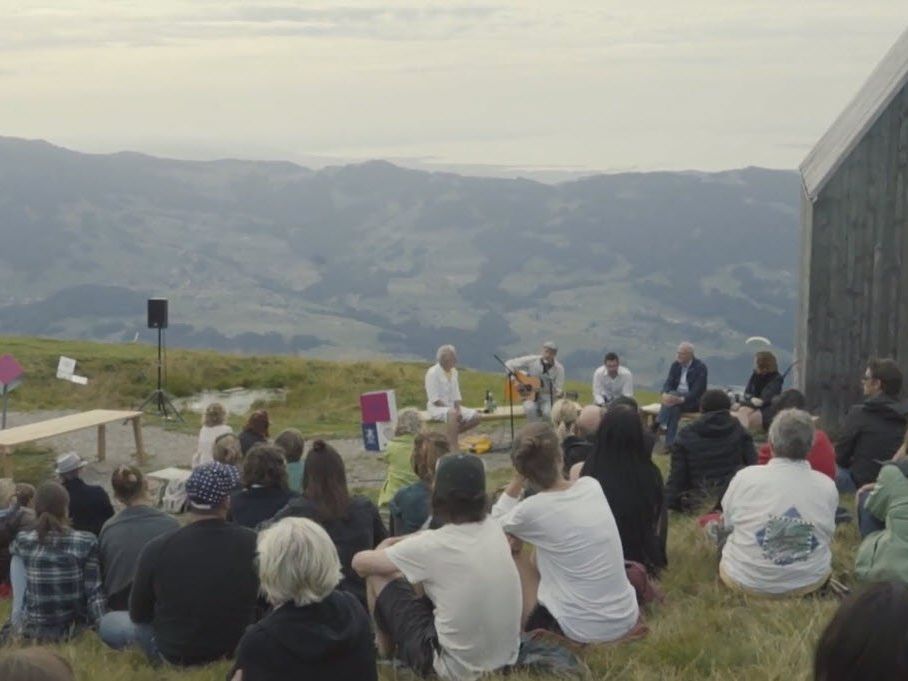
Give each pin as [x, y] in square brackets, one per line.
[157, 313]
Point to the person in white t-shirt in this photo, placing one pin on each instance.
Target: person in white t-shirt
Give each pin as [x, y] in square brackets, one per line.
[575, 584]
[468, 621]
[781, 517]
[612, 380]
[443, 393]
[213, 426]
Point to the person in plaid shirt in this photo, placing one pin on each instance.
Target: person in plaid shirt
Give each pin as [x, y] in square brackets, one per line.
[62, 574]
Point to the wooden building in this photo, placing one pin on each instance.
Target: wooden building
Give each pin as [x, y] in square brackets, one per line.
[854, 259]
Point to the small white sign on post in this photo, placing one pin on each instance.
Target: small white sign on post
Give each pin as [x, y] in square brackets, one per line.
[66, 370]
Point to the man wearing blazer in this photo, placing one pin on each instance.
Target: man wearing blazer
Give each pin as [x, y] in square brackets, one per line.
[682, 390]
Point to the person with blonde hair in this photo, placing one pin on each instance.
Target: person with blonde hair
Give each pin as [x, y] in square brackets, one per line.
[124, 536]
[213, 426]
[315, 630]
[398, 455]
[412, 505]
[564, 415]
[226, 449]
[35, 664]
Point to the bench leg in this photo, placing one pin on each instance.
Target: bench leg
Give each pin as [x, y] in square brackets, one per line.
[102, 442]
[7, 456]
[137, 433]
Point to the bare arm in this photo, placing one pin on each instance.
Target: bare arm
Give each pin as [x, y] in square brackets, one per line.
[374, 563]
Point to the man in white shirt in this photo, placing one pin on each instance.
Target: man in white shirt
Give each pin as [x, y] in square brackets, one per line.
[575, 584]
[468, 621]
[612, 380]
[550, 373]
[781, 517]
[444, 400]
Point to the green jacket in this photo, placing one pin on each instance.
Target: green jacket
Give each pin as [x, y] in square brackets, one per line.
[400, 468]
[883, 555]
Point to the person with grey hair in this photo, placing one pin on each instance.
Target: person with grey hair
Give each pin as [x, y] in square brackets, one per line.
[444, 399]
[781, 517]
[549, 372]
[315, 630]
[682, 391]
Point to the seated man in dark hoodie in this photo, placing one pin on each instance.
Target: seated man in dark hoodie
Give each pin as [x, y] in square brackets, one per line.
[707, 454]
[874, 429]
[315, 630]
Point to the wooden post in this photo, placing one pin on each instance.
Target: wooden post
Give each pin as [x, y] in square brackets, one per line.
[7, 456]
[102, 442]
[137, 432]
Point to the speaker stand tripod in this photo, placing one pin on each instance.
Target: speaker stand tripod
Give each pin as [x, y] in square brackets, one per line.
[159, 398]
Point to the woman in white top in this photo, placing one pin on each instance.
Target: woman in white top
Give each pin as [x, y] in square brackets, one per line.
[576, 583]
[213, 427]
[781, 517]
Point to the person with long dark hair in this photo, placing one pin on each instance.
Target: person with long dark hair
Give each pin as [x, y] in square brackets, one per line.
[352, 522]
[633, 487]
[255, 431]
[62, 573]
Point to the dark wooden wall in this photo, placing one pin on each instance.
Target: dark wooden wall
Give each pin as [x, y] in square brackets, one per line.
[854, 286]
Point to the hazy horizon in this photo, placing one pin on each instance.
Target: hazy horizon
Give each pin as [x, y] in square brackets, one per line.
[595, 86]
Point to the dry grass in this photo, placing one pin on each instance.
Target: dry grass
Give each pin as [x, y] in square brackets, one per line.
[702, 632]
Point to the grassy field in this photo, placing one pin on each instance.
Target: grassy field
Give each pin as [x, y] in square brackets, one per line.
[701, 632]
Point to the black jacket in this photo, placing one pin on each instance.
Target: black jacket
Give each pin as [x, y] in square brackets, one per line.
[765, 387]
[326, 641]
[873, 432]
[576, 450]
[249, 507]
[697, 375]
[705, 457]
[89, 505]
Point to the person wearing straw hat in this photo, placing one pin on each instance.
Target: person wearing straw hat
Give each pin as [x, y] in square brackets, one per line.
[89, 505]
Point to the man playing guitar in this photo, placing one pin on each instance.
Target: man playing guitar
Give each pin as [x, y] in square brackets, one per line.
[545, 384]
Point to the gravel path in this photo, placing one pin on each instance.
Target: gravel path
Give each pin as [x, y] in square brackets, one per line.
[170, 448]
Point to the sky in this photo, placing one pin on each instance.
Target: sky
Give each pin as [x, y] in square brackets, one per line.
[605, 85]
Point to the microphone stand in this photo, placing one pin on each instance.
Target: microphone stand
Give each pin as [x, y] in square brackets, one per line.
[513, 377]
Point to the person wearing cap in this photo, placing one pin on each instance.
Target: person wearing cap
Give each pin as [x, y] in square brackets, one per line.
[468, 621]
[89, 505]
[194, 591]
[550, 373]
[443, 396]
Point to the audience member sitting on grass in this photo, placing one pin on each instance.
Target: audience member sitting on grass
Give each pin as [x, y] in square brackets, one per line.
[883, 524]
[55, 573]
[632, 484]
[781, 518]
[578, 445]
[707, 454]
[213, 426]
[194, 590]
[255, 431]
[352, 522]
[265, 490]
[125, 535]
[292, 443]
[874, 429]
[315, 631]
[227, 451]
[468, 620]
[564, 415]
[682, 390]
[16, 514]
[411, 507]
[762, 388]
[822, 455]
[89, 505]
[866, 639]
[399, 454]
[35, 664]
[574, 583]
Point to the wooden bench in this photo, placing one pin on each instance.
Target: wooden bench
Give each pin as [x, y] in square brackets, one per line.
[649, 412]
[96, 418]
[500, 414]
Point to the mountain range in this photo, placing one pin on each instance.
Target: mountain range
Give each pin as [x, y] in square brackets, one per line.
[372, 259]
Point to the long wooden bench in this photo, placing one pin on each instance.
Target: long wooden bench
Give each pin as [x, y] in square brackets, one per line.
[500, 414]
[96, 418]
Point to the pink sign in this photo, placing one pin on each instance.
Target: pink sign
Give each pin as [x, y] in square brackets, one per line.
[10, 370]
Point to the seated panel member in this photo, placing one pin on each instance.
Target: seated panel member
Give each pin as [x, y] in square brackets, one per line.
[612, 380]
[550, 372]
[444, 399]
[682, 390]
[764, 385]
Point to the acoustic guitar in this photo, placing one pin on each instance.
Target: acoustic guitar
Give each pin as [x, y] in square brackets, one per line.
[524, 388]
